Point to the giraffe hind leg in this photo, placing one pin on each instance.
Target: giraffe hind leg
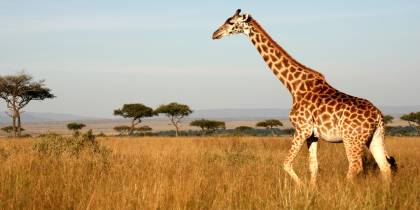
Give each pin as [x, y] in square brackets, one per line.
[354, 154]
[312, 143]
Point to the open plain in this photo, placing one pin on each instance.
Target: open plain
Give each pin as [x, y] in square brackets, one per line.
[198, 173]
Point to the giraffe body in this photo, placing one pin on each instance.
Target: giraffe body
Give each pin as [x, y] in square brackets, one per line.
[318, 109]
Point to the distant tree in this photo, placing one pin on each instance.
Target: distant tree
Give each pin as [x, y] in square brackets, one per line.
[270, 124]
[208, 126]
[175, 112]
[388, 119]
[18, 90]
[122, 129]
[413, 120]
[75, 127]
[144, 129]
[9, 129]
[135, 112]
[243, 128]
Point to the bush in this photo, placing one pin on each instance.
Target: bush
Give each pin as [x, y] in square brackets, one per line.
[400, 131]
[55, 145]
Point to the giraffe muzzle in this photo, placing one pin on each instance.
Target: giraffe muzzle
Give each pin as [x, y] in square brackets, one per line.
[217, 35]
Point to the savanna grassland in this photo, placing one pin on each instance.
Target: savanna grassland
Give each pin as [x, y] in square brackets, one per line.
[197, 173]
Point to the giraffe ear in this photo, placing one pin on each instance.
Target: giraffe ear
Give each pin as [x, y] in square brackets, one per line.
[238, 11]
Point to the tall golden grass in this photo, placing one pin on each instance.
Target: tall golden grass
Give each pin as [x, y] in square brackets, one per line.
[199, 173]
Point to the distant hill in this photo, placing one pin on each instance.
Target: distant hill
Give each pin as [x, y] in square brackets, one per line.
[225, 114]
[39, 117]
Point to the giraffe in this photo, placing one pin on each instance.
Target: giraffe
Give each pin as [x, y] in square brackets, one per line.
[318, 111]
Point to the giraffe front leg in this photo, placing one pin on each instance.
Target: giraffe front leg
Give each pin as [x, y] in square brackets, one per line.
[298, 140]
[312, 143]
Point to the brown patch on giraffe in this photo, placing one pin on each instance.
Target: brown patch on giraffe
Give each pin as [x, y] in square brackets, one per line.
[275, 72]
[366, 114]
[325, 117]
[353, 116]
[253, 41]
[330, 109]
[284, 74]
[258, 38]
[259, 49]
[264, 47]
[263, 39]
[290, 77]
[273, 58]
[270, 64]
[286, 62]
[266, 58]
[328, 125]
[292, 69]
[278, 65]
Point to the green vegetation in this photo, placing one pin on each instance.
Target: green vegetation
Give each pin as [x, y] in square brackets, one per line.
[175, 112]
[136, 112]
[75, 127]
[17, 91]
[270, 124]
[208, 126]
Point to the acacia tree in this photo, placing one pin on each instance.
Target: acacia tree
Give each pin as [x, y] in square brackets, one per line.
[388, 119]
[413, 120]
[75, 127]
[270, 124]
[9, 129]
[18, 90]
[135, 112]
[122, 129]
[175, 112]
[208, 126]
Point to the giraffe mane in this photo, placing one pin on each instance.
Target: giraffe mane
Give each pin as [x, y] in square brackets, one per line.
[255, 24]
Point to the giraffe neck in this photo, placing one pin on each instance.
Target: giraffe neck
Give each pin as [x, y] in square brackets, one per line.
[289, 71]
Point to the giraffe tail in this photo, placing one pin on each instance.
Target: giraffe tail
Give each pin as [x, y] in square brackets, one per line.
[379, 137]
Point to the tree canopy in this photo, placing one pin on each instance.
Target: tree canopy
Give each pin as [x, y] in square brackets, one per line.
[18, 90]
[136, 112]
[413, 119]
[270, 124]
[175, 112]
[388, 119]
[208, 125]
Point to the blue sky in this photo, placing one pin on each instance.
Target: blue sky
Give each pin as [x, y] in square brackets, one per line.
[97, 55]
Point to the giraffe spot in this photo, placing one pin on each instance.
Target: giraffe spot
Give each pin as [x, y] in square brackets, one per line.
[304, 77]
[286, 63]
[273, 58]
[347, 114]
[271, 50]
[366, 114]
[288, 86]
[325, 117]
[303, 87]
[330, 109]
[290, 77]
[278, 65]
[328, 125]
[264, 47]
[322, 109]
[297, 74]
[253, 41]
[251, 33]
[270, 64]
[258, 38]
[263, 39]
[278, 54]
[284, 74]
[275, 72]
[265, 57]
[259, 49]
[353, 116]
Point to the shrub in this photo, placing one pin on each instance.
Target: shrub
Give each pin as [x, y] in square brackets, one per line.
[55, 145]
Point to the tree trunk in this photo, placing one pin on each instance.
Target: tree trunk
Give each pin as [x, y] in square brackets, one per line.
[272, 131]
[176, 130]
[19, 125]
[132, 127]
[14, 124]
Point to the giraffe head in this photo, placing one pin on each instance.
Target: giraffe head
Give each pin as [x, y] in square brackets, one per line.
[238, 23]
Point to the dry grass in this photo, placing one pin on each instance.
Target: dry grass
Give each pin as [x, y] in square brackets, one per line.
[198, 173]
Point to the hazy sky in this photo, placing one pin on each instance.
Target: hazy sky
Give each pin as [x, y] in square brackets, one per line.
[97, 55]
